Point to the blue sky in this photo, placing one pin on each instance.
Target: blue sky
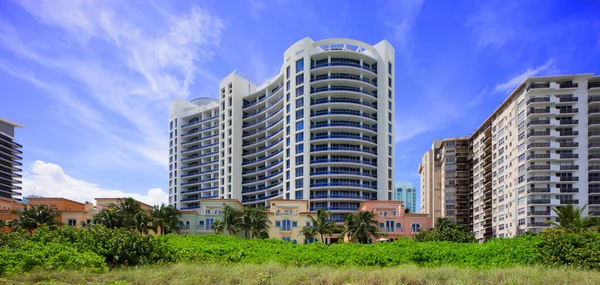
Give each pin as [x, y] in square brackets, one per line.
[91, 80]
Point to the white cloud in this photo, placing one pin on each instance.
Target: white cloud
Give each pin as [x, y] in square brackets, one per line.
[496, 23]
[406, 12]
[255, 7]
[513, 82]
[49, 180]
[126, 72]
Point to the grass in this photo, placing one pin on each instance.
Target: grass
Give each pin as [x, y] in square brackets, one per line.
[278, 274]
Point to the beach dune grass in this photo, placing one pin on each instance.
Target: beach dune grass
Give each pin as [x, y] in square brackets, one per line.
[198, 273]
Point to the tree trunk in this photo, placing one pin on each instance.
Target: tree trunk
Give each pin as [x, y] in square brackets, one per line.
[322, 240]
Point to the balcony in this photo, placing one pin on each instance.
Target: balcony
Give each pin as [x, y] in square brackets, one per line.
[315, 161]
[569, 179]
[538, 224]
[538, 100]
[538, 201]
[260, 198]
[266, 97]
[342, 100]
[593, 111]
[538, 86]
[199, 190]
[343, 64]
[568, 110]
[567, 202]
[568, 133]
[538, 111]
[539, 145]
[568, 122]
[260, 188]
[343, 149]
[539, 167]
[593, 178]
[538, 133]
[538, 190]
[593, 144]
[343, 112]
[343, 197]
[593, 85]
[539, 156]
[568, 155]
[538, 213]
[568, 85]
[336, 172]
[569, 190]
[538, 122]
[594, 190]
[594, 156]
[342, 88]
[594, 122]
[344, 124]
[344, 184]
[352, 137]
[569, 167]
[342, 76]
[349, 209]
[538, 179]
[569, 144]
[198, 122]
[593, 133]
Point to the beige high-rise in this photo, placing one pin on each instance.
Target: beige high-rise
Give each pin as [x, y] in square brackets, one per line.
[539, 150]
[430, 186]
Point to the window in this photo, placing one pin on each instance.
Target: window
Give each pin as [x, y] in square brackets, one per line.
[209, 223]
[72, 222]
[415, 227]
[383, 214]
[299, 148]
[300, 79]
[187, 225]
[300, 114]
[521, 201]
[300, 65]
[299, 91]
[300, 126]
[287, 72]
[286, 238]
[389, 226]
[521, 211]
[299, 171]
[299, 196]
[299, 137]
[390, 105]
[299, 183]
[390, 68]
[390, 82]
[287, 108]
[287, 86]
[208, 211]
[299, 160]
[299, 102]
[286, 226]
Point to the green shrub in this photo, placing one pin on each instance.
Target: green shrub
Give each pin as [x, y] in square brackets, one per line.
[559, 247]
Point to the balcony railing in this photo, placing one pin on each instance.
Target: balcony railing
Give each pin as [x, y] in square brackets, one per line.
[569, 167]
[343, 64]
[569, 190]
[538, 99]
[568, 110]
[569, 144]
[593, 110]
[538, 111]
[539, 167]
[538, 201]
[343, 197]
[538, 213]
[569, 178]
[538, 133]
[593, 167]
[594, 122]
[568, 85]
[569, 122]
[593, 85]
[538, 178]
[538, 122]
[541, 155]
[538, 224]
[569, 155]
[593, 155]
[341, 88]
[343, 160]
[341, 100]
[566, 202]
[569, 133]
[538, 190]
[593, 144]
[342, 76]
[593, 133]
[344, 184]
[542, 144]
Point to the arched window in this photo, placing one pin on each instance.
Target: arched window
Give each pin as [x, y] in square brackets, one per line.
[415, 227]
[381, 225]
[394, 213]
[383, 214]
[398, 225]
[187, 225]
[286, 225]
[201, 223]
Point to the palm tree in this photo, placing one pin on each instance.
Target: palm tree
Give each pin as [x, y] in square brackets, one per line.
[34, 216]
[218, 226]
[360, 227]
[2, 225]
[142, 222]
[128, 208]
[308, 232]
[571, 218]
[165, 219]
[109, 219]
[232, 219]
[255, 222]
[322, 224]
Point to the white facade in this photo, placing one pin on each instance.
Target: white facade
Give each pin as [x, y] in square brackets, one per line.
[321, 130]
[539, 150]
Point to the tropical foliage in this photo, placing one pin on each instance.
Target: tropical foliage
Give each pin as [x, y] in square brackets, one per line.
[165, 219]
[361, 227]
[32, 217]
[255, 223]
[321, 225]
[446, 230]
[218, 226]
[571, 219]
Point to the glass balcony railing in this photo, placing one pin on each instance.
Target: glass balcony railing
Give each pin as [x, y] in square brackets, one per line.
[347, 124]
[246, 162]
[312, 209]
[199, 139]
[274, 164]
[342, 76]
[343, 172]
[248, 115]
[199, 147]
[342, 100]
[199, 156]
[343, 197]
[199, 173]
[247, 134]
[321, 137]
[343, 112]
[258, 179]
[200, 189]
[342, 88]
[262, 198]
[261, 188]
[200, 164]
[344, 184]
[343, 64]
[263, 148]
[246, 125]
[199, 131]
[343, 148]
[273, 92]
[199, 181]
[245, 143]
[199, 121]
[315, 161]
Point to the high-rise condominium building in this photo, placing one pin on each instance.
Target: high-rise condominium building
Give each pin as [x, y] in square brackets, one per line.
[320, 130]
[9, 160]
[540, 149]
[406, 191]
[431, 197]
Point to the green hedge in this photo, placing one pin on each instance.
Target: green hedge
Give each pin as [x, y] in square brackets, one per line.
[99, 248]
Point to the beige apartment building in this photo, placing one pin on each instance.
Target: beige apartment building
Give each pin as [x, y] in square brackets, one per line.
[430, 186]
[539, 150]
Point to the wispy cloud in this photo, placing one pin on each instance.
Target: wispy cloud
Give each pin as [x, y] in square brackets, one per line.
[514, 81]
[49, 180]
[493, 25]
[401, 21]
[255, 7]
[126, 73]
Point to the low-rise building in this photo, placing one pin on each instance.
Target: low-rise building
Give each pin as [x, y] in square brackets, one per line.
[200, 220]
[288, 217]
[394, 221]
